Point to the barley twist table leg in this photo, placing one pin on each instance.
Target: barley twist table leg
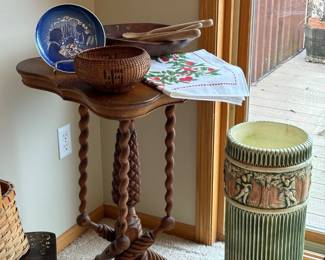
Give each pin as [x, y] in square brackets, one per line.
[139, 248]
[169, 156]
[116, 169]
[134, 173]
[122, 241]
[168, 222]
[134, 224]
[84, 219]
[83, 137]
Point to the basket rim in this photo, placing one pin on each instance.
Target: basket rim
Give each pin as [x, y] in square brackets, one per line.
[83, 56]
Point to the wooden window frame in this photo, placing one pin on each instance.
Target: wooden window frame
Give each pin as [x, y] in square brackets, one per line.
[214, 118]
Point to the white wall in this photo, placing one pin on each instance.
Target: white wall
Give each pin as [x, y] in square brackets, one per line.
[151, 129]
[47, 188]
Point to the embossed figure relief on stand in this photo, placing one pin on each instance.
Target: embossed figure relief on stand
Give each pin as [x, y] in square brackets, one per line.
[267, 190]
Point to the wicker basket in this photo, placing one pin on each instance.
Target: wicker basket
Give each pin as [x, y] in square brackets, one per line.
[13, 242]
[113, 69]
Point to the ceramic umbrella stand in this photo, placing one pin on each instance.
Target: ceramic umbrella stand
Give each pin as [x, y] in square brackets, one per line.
[267, 180]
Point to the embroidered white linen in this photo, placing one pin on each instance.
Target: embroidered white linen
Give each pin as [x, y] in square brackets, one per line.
[198, 75]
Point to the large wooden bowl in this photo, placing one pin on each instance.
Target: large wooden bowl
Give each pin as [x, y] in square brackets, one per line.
[114, 37]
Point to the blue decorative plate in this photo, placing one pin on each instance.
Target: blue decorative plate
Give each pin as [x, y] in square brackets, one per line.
[66, 30]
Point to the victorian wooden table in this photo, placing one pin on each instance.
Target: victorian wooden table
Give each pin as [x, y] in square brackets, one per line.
[128, 241]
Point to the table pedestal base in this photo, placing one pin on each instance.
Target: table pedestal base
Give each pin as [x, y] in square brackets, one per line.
[127, 238]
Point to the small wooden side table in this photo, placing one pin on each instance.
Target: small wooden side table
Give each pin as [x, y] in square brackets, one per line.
[128, 241]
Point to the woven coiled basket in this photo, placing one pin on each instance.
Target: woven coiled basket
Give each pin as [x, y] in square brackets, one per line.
[113, 69]
[13, 242]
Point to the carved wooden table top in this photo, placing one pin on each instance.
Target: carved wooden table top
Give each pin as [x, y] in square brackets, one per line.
[140, 101]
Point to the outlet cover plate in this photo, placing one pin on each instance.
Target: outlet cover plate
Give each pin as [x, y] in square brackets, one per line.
[64, 140]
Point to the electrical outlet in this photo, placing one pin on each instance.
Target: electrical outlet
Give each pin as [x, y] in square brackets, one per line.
[64, 139]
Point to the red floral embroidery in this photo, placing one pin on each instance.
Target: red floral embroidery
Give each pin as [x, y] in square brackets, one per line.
[180, 70]
[186, 79]
[164, 59]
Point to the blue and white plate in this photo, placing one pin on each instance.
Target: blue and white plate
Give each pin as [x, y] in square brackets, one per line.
[66, 30]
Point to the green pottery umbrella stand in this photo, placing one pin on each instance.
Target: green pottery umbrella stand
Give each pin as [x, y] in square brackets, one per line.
[267, 180]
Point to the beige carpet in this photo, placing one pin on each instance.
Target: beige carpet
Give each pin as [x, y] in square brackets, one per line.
[171, 247]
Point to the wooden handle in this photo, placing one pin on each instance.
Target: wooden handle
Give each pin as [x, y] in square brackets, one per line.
[205, 23]
[172, 36]
[194, 26]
